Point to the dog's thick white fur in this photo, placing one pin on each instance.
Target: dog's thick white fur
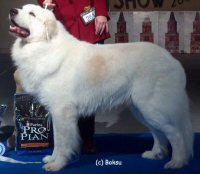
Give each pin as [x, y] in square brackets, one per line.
[73, 78]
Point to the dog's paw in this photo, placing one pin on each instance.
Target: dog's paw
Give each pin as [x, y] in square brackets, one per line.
[48, 159]
[153, 155]
[53, 166]
[175, 164]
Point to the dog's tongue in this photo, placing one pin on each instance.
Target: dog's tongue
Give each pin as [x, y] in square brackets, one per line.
[18, 30]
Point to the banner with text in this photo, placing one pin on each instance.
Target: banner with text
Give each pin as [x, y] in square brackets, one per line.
[154, 5]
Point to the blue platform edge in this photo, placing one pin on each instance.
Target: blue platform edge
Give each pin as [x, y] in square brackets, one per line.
[116, 154]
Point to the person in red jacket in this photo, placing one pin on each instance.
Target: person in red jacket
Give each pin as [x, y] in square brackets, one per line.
[87, 20]
[72, 14]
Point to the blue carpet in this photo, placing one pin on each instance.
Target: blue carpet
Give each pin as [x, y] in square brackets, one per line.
[126, 149]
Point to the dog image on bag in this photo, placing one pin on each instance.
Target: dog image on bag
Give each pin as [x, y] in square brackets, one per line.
[73, 78]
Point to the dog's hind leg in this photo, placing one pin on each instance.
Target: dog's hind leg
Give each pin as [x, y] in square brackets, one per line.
[179, 150]
[66, 139]
[172, 119]
[180, 154]
[160, 149]
[163, 103]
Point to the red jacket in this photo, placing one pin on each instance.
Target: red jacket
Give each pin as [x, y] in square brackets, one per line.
[68, 12]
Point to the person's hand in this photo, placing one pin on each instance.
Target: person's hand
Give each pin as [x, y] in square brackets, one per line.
[101, 24]
[49, 3]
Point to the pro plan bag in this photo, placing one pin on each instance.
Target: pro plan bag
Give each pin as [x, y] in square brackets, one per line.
[34, 131]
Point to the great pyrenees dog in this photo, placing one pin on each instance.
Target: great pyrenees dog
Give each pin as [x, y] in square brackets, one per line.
[73, 78]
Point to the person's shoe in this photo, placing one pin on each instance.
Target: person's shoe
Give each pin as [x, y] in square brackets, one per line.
[89, 147]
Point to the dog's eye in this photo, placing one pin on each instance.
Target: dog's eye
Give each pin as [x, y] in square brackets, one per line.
[32, 14]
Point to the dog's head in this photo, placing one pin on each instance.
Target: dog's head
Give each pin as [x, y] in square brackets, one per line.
[32, 23]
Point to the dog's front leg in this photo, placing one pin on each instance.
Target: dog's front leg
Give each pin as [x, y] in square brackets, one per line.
[66, 139]
[51, 158]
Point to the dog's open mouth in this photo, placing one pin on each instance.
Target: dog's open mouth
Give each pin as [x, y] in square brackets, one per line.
[20, 31]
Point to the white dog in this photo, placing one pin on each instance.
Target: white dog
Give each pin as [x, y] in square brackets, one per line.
[73, 78]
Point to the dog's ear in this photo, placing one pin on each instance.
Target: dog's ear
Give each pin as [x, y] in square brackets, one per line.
[50, 29]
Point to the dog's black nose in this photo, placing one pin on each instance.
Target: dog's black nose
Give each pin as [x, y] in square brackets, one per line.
[13, 12]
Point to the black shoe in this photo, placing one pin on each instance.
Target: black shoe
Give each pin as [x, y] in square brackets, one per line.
[89, 147]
